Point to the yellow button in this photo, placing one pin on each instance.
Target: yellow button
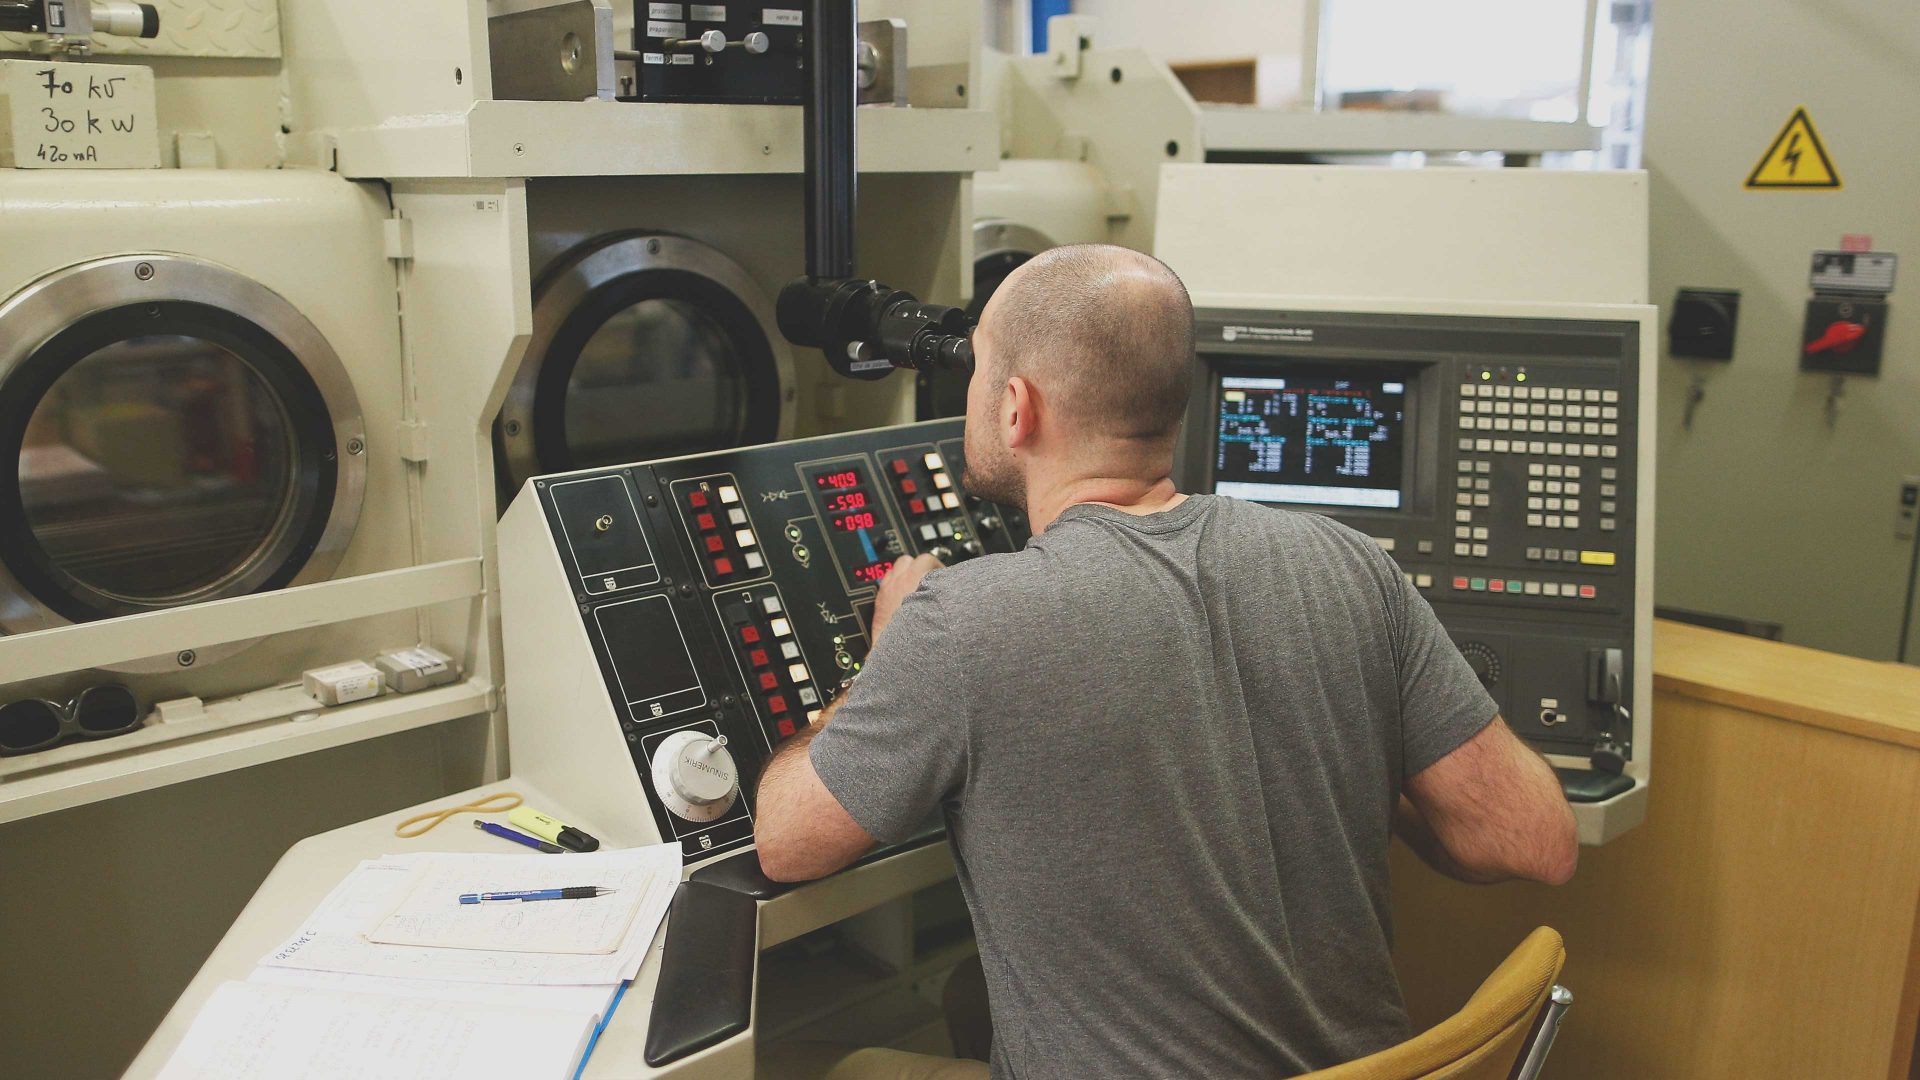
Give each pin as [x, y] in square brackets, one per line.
[1597, 558]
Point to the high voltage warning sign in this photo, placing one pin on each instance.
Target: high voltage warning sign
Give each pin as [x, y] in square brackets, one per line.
[1797, 159]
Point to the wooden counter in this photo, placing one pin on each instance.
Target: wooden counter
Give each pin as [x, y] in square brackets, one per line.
[1764, 921]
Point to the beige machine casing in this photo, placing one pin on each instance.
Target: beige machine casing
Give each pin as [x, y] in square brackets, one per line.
[1518, 243]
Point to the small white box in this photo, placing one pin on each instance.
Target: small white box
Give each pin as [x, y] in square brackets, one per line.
[355, 680]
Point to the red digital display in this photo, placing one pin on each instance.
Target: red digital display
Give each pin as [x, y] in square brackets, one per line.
[855, 522]
[872, 573]
[847, 479]
[846, 500]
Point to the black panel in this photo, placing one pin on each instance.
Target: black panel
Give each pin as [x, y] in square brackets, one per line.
[705, 994]
[1521, 432]
[744, 593]
[668, 72]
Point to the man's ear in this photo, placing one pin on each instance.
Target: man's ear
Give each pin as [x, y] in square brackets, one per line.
[1019, 412]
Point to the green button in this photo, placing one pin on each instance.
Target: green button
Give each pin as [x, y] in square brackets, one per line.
[1478, 584]
[1513, 586]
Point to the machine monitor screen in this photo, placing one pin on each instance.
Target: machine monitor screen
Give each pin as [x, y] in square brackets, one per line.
[1317, 435]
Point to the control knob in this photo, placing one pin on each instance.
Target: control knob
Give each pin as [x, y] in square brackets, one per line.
[941, 552]
[1483, 660]
[988, 523]
[694, 775]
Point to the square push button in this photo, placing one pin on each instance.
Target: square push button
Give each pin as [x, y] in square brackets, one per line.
[769, 681]
[716, 544]
[754, 561]
[797, 673]
[758, 658]
[776, 704]
[750, 635]
[729, 495]
[697, 499]
[706, 523]
[784, 727]
[723, 566]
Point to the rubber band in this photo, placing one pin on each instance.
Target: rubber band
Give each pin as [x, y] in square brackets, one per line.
[489, 805]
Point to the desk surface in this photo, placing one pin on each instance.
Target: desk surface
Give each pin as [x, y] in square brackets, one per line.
[1868, 698]
[312, 867]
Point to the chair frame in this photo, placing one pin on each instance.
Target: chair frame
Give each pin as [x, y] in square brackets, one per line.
[1546, 1024]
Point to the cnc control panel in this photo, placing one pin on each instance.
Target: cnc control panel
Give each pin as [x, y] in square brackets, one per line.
[723, 596]
[1496, 460]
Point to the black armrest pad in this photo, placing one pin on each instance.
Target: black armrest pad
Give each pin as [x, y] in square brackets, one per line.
[741, 873]
[705, 994]
[1592, 785]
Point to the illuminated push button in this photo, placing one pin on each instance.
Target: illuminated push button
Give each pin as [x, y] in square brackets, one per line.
[942, 481]
[776, 704]
[744, 538]
[1463, 550]
[812, 715]
[945, 528]
[769, 681]
[696, 499]
[754, 561]
[1551, 588]
[737, 516]
[928, 533]
[723, 566]
[1479, 551]
[771, 605]
[950, 501]
[758, 658]
[789, 650]
[934, 462]
[785, 727]
[781, 628]
[1597, 558]
[1496, 585]
[916, 506]
[750, 635]
[1588, 592]
[899, 466]
[716, 544]
[729, 494]
[706, 522]
[807, 696]
[1478, 584]
[1459, 583]
[1423, 581]
[1531, 588]
[797, 673]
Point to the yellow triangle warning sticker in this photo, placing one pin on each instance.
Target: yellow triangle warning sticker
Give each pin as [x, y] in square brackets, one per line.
[1797, 159]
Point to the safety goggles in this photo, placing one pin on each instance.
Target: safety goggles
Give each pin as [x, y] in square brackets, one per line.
[36, 724]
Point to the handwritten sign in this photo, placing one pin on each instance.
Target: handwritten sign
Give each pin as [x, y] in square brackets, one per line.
[68, 115]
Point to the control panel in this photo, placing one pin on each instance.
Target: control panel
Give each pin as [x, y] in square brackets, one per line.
[1496, 460]
[714, 603]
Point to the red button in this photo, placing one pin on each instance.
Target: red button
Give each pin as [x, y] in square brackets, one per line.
[916, 506]
[749, 635]
[1459, 583]
[723, 567]
[769, 681]
[785, 727]
[715, 543]
[900, 466]
[705, 521]
[1586, 592]
[758, 657]
[1496, 585]
[696, 499]
[908, 487]
[777, 703]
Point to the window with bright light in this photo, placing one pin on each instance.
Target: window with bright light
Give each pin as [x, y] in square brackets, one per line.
[1512, 58]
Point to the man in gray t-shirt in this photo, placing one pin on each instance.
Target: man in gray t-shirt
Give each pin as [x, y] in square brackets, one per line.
[1171, 737]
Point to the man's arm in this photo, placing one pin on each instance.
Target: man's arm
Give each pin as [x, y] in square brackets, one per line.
[802, 832]
[1489, 811]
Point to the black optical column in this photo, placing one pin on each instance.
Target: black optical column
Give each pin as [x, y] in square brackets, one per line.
[831, 182]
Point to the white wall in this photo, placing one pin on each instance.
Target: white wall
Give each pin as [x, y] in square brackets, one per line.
[1204, 30]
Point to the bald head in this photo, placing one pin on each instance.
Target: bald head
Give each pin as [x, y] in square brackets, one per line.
[1105, 332]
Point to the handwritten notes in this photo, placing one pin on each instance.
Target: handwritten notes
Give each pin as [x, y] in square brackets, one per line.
[65, 114]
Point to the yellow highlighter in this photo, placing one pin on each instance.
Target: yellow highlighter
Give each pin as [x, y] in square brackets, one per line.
[552, 829]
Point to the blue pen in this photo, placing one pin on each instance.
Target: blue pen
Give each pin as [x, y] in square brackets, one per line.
[572, 892]
[533, 842]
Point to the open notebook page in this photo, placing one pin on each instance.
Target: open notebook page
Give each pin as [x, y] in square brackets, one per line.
[249, 1030]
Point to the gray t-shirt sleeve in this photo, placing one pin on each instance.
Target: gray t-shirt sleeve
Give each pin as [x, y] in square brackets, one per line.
[1442, 703]
[896, 749]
